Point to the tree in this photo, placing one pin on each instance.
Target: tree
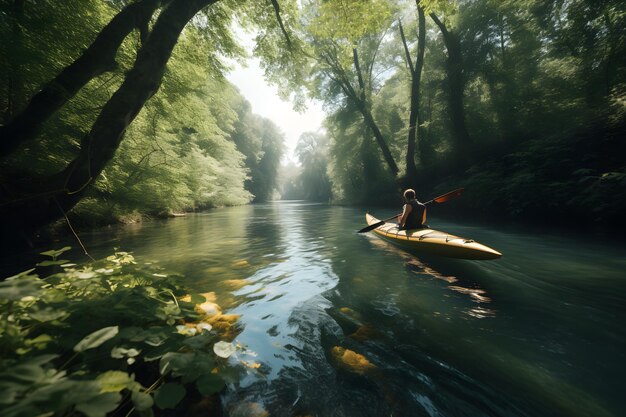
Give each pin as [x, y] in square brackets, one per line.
[312, 152]
[29, 202]
[264, 180]
[415, 121]
[357, 173]
[456, 86]
[336, 33]
[96, 60]
[178, 153]
[261, 142]
[289, 182]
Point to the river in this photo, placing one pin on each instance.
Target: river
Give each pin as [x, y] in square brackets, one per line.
[539, 332]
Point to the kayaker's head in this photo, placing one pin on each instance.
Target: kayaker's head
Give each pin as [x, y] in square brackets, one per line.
[409, 194]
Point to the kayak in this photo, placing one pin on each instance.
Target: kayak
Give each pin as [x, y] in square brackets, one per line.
[430, 241]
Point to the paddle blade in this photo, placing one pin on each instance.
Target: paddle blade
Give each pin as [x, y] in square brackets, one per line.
[371, 227]
[449, 196]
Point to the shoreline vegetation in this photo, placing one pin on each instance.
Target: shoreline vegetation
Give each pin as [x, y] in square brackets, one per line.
[111, 337]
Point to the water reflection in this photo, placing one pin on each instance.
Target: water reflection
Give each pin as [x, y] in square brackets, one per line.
[269, 306]
[424, 270]
[340, 324]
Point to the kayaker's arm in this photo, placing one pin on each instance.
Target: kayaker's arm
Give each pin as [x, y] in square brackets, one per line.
[406, 210]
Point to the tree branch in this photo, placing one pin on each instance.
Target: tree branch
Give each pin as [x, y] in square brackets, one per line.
[357, 67]
[96, 60]
[107, 132]
[439, 23]
[280, 23]
[407, 53]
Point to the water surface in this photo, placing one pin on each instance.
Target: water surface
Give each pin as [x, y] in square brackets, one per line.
[539, 332]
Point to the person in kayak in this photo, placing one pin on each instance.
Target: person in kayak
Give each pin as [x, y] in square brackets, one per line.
[412, 216]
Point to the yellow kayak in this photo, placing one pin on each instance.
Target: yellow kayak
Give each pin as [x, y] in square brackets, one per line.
[433, 242]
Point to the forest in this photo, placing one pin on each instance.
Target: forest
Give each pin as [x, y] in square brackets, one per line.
[121, 110]
[520, 102]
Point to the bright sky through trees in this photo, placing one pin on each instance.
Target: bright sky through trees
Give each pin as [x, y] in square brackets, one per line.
[266, 102]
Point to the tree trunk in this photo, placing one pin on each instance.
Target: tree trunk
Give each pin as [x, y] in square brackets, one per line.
[357, 67]
[407, 52]
[454, 70]
[369, 121]
[96, 60]
[411, 169]
[46, 201]
[15, 90]
[414, 113]
[361, 102]
[509, 97]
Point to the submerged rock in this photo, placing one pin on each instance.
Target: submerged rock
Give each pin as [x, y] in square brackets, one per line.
[351, 360]
[249, 410]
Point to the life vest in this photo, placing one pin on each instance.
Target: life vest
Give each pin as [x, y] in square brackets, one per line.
[414, 220]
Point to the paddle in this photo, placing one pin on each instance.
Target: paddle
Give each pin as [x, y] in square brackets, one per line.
[441, 199]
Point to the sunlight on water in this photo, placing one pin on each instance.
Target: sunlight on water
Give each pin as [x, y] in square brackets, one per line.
[340, 324]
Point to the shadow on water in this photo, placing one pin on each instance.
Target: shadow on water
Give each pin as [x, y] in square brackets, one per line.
[340, 324]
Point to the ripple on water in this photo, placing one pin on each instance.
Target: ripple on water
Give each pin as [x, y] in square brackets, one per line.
[543, 325]
[387, 306]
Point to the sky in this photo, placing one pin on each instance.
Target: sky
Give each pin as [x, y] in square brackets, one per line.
[266, 103]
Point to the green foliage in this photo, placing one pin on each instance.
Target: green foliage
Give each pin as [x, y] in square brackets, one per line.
[534, 75]
[362, 179]
[541, 81]
[290, 186]
[446, 7]
[312, 151]
[64, 28]
[261, 142]
[350, 20]
[576, 178]
[169, 395]
[179, 153]
[102, 337]
[96, 338]
[283, 59]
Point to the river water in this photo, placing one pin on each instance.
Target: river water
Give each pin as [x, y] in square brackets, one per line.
[344, 324]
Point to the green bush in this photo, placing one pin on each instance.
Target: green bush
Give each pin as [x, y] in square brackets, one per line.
[107, 336]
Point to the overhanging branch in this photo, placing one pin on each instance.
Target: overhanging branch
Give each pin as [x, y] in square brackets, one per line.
[280, 22]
